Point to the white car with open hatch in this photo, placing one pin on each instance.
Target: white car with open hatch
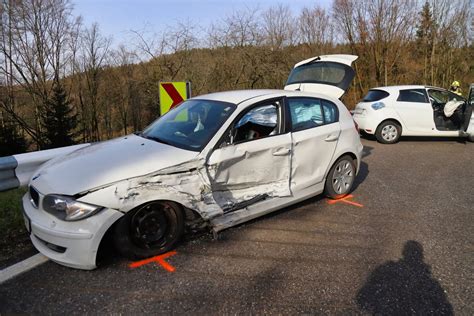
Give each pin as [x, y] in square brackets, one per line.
[214, 161]
[394, 111]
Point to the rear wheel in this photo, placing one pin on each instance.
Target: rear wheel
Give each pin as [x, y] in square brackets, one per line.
[149, 230]
[388, 132]
[340, 178]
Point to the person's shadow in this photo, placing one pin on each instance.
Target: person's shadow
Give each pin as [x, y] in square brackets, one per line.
[404, 287]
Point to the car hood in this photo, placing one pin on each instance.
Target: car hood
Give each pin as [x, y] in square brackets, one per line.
[106, 162]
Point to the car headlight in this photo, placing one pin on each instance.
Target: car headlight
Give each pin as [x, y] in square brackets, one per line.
[67, 208]
[378, 105]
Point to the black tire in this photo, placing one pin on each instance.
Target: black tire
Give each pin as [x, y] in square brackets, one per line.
[340, 168]
[471, 138]
[149, 230]
[388, 132]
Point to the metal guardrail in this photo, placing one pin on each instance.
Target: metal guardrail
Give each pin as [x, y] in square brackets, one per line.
[16, 170]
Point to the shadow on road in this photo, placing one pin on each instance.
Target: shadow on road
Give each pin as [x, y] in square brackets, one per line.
[367, 151]
[361, 176]
[461, 140]
[404, 287]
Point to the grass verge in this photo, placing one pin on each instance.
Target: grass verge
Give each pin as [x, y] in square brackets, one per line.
[14, 239]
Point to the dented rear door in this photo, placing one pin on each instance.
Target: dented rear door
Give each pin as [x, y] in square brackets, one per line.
[315, 134]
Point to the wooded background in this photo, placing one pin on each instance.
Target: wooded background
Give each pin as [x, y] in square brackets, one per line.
[63, 82]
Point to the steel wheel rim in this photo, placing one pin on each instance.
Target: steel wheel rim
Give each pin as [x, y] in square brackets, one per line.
[343, 177]
[389, 132]
[150, 226]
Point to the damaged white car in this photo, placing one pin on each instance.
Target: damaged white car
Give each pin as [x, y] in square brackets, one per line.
[214, 161]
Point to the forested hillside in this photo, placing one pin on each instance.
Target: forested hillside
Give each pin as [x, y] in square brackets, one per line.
[63, 82]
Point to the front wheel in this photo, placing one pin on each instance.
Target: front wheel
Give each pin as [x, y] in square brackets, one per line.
[388, 132]
[149, 230]
[340, 178]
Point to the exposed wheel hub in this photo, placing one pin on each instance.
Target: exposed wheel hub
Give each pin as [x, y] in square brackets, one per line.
[150, 226]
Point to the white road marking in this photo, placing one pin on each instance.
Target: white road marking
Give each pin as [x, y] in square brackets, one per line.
[21, 267]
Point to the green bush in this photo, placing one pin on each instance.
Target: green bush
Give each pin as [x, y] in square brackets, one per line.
[11, 218]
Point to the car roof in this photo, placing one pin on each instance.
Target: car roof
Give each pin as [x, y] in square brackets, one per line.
[405, 87]
[236, 96]
[401, 87]
[239, 96]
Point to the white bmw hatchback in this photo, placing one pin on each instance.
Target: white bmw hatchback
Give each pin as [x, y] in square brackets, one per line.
[391, 112]
[214, 161]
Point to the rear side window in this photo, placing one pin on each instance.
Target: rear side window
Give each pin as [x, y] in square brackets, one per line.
[331, 115]
[308, 113]
[413, 95]
[375, 95]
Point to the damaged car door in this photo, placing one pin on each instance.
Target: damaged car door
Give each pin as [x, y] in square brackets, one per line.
[252, 161]
[315, 132]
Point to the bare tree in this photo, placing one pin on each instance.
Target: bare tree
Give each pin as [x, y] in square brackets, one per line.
[379, 29]
[92, 59]
[279, 26]
[34, 39]
[315, 26]
[239, 29]
[124, 83]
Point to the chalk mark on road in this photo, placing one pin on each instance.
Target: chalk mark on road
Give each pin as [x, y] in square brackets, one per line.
[345, 200]
[158, 259]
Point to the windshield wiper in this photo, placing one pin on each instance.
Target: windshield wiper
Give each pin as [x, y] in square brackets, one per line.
[157, 139]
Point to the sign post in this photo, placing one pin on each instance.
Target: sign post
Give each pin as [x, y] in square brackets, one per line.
[172, 94]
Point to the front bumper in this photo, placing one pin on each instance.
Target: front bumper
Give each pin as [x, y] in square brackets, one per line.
[73, 244]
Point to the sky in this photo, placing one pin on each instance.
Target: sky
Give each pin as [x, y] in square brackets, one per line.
[117, 17]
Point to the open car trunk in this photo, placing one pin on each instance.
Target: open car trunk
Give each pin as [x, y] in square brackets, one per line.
[326, 74]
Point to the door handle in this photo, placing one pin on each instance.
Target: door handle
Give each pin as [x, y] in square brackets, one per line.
[281, 152]
[331, 138]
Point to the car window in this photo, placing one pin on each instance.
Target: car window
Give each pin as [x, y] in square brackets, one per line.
[190, 125]
[412, 95]
[375, 95]
[438, 96]
[258, 122]
[442, 97]
[305, 113]
[453, 96]
[331, 114]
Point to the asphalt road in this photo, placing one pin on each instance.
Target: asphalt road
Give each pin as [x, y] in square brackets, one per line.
[408, 249]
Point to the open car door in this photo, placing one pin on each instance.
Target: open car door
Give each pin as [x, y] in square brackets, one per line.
[469, 119]
[327, 74]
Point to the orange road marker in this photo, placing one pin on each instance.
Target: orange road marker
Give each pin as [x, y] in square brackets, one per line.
[345, 200]
[158, 259]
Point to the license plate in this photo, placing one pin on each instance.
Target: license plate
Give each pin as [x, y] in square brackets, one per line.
[27, 223]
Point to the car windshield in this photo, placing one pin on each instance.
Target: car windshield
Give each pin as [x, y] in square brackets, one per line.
[191, 125]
